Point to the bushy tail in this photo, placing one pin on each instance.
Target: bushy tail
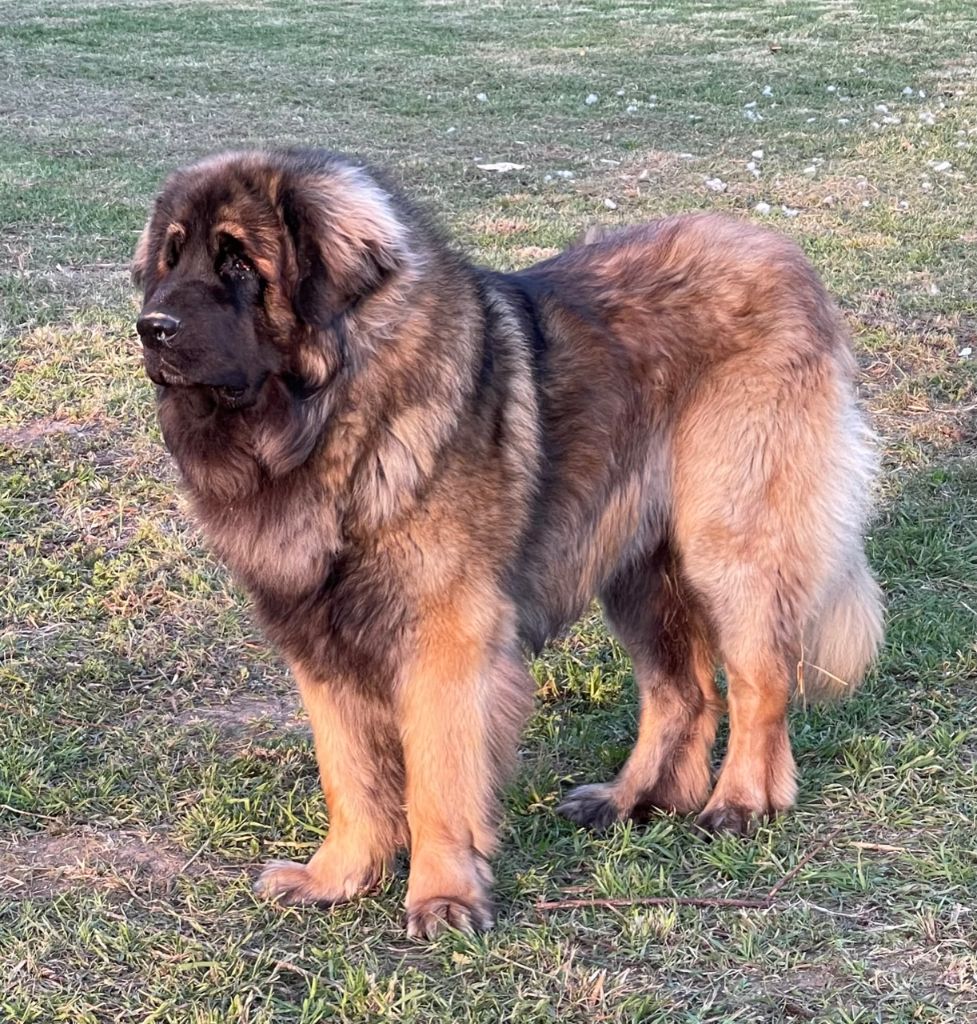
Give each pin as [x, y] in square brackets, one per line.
[843, 638]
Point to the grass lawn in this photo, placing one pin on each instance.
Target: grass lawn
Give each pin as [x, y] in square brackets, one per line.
[152, 754]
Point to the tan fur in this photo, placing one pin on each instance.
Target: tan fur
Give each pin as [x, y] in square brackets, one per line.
[669, 766]
[438, 466]
[462, 704]
[358, 211]
[758, 776]
[358, 752]
[843, 635]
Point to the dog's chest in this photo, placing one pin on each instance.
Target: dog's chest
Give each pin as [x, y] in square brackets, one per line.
[280, 546]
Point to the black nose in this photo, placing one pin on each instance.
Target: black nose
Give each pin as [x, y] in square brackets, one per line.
[157, 328]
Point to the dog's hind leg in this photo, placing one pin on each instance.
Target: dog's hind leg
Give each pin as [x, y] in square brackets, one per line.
[660, 623]
[757, 779]
[758, 511]
[755, 607]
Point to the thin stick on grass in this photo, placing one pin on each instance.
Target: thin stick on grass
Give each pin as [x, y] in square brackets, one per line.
[803, 862]
[29, 814]
[879, 847]
[655, 901]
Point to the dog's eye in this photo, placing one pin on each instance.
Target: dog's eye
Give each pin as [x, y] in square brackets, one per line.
[171, 254]
[232, 262]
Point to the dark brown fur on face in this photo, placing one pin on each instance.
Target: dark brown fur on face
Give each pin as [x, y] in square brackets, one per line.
[421, 469]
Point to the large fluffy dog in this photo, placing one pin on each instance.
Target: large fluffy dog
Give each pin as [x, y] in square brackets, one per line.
[421, 469]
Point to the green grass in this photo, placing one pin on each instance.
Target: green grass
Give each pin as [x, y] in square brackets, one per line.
[151, 752]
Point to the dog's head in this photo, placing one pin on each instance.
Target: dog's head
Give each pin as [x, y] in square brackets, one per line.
[249, 264]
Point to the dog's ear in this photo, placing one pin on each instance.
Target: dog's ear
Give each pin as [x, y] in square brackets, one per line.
[348, 242]
[311, 297]
[140, 258]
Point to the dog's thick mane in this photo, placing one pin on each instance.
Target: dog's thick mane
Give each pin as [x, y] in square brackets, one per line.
[382, 381]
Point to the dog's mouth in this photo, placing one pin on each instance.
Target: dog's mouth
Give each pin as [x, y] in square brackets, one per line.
[162, 373]
[231, 396]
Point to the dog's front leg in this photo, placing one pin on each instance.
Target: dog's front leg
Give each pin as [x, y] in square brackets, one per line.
[361, 770]
[464, 698]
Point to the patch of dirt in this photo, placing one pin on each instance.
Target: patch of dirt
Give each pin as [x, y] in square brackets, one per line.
[927, 972]
[919, 388]
[533, 253]
[918, 324]
[248, 715]
[34, 431]
[44, 865]
[806, 994]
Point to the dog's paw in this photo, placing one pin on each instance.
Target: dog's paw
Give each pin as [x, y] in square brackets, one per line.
[293, 884]
[438, 914]
[592, 806]
[730, 819]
